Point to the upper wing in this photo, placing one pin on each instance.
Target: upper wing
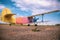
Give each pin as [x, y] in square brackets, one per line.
[45, 13]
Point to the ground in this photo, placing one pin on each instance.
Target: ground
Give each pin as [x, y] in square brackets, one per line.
[25, 32]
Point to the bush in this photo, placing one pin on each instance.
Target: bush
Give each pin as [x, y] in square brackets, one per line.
[35, 30]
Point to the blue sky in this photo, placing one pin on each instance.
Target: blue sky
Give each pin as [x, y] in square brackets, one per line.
[33, 7]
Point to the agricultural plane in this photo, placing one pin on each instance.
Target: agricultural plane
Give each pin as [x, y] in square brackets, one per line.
[8, 16]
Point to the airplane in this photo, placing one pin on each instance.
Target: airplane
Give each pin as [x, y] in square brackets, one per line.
[8, 16]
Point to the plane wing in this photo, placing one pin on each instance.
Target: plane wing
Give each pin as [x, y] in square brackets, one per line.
[44, 13]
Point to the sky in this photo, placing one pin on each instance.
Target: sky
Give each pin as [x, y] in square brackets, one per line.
[33, 7]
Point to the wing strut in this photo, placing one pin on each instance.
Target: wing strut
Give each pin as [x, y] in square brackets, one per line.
[42, 17]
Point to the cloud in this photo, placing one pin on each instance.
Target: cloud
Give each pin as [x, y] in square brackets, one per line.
[36, 6]
[2, 7]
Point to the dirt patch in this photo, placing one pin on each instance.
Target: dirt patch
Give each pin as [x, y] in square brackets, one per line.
[26, 33]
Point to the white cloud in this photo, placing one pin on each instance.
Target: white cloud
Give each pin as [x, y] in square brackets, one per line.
[36, 6]
[36, 11]
[2, 7]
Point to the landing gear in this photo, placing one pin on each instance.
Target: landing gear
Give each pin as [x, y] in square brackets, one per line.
[36, 25]
[10, 24]
[28, 24]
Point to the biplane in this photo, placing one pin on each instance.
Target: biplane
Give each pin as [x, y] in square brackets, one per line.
[8, 16]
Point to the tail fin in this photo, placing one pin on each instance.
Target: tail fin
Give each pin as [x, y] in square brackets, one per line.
[7, 16]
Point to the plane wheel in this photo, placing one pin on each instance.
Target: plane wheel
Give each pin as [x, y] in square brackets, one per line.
[35, 24]
[10, 24]
[28, 24]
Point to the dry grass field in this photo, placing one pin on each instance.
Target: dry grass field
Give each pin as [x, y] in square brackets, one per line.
[25, 32]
